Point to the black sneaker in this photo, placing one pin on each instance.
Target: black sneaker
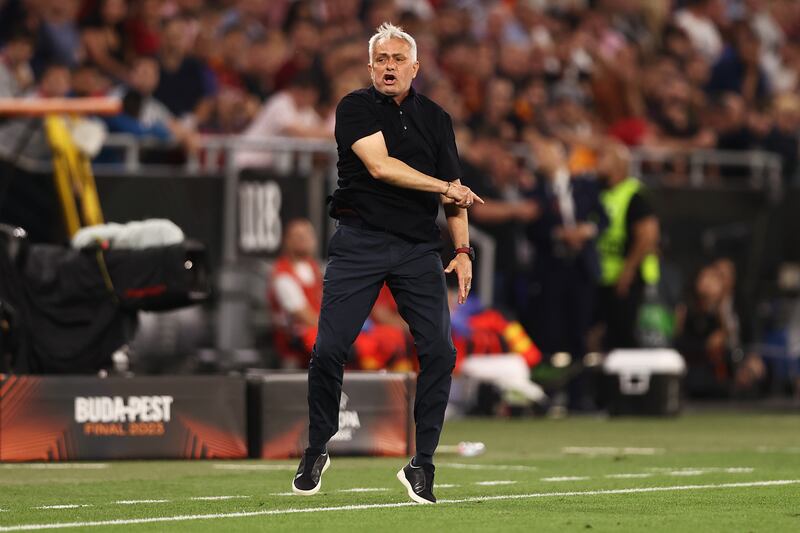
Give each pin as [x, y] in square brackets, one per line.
[308, 479]
[418, 481]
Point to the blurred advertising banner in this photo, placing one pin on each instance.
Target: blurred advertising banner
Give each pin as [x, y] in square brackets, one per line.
[375, 414]
[75, 417]
[265, 203]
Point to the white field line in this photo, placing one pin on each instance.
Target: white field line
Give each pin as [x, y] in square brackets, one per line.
[447, 485]
[210, 498]
[63, 506]
[281, 494]
[136, 502]
[245, 514]
[493, 483]
[609, 450]
[223, 466]
[467, 466]
[696, 471]
[627, 476]
[565, 478]
[55, 466]
[364, 489]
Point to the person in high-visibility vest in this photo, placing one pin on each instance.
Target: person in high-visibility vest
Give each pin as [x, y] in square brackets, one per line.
[627, 247]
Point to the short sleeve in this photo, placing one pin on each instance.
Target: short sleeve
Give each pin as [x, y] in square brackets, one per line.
[638, 209]
[289, 293]
[448, 166]
[355, 119]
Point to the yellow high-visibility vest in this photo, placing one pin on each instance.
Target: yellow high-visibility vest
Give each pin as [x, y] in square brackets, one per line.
[611, 243]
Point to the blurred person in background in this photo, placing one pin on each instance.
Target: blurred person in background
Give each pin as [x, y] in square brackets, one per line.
[493, 173]
[708, 338]
[304, 56]
[566, 267]
[627, 248]
[229, 61]
[738, 69]
[783, 134]
[105, 40]
[249, 15]
[184, 80]
[264, 58]
[143, 115]
[230, 111]
[144, 27]
[288, 113]
[295, 296]
[59, 38]
[16, 75]
[699, 19]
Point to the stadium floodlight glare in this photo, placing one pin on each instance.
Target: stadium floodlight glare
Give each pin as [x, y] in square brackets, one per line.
[592, 359]
[561, 359]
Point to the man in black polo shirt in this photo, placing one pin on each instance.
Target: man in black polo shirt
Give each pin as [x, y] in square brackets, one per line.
[397, 163]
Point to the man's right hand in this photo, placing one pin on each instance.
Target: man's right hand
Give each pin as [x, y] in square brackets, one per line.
[461, 195]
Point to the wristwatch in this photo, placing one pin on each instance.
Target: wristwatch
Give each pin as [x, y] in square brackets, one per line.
[469, 250]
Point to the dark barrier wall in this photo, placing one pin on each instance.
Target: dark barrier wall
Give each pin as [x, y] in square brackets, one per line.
[74, 418]
[375, 415]
[194, 203]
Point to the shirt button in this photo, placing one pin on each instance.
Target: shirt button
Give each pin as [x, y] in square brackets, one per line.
[401, 112]
[405, 127]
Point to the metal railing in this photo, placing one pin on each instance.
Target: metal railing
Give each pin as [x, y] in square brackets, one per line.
[756, 169]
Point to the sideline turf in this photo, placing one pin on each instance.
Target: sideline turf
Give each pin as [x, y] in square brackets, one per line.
[696, 449]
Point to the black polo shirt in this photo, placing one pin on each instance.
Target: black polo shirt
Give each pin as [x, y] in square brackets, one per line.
[417, 132]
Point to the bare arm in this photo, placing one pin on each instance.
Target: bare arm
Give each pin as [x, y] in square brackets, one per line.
[458, 225]
[646, 234]
[306, 316]
[381, 166]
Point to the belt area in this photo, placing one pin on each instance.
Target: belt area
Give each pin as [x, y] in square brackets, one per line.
[358, 222]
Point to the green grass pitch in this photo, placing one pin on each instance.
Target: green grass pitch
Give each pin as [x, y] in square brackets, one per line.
[699, 472]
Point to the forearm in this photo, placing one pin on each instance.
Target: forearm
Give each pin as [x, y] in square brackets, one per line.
[394, 172]
[458, 225]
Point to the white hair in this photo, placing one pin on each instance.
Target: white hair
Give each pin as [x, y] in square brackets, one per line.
[387, 30]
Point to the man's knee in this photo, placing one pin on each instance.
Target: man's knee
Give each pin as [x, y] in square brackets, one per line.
[330, 350]
[439, 354]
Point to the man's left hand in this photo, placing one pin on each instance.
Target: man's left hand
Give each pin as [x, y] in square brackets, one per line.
[462, 265]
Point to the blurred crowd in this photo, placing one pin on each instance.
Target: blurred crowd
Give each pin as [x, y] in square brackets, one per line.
[654, 73]
[546, 98]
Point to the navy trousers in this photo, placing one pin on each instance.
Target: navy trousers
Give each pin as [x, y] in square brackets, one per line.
[360, 260]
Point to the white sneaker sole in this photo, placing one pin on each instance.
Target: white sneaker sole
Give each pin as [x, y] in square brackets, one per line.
[401, 476]
[315, 490]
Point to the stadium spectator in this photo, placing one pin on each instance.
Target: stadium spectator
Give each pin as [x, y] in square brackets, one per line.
[144, 27]
[627, 248]
[699, 19]
[249, 15]
[491, 171]
[708, 337]
[566, 266]
[229, 60]
[16, 75]
[264, 58]
[738, 69]
[295, 296]
[184, 80]
[782, 137]
[142, 114]
[59, 39]
[88, 81]
[289, 113]
[105, 40]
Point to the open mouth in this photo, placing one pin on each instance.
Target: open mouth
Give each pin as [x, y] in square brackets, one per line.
[389, 79]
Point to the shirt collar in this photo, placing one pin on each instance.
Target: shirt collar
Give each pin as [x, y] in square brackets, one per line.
[384, 99]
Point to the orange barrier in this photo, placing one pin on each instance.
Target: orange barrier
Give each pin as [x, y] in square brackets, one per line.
[36, 107]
